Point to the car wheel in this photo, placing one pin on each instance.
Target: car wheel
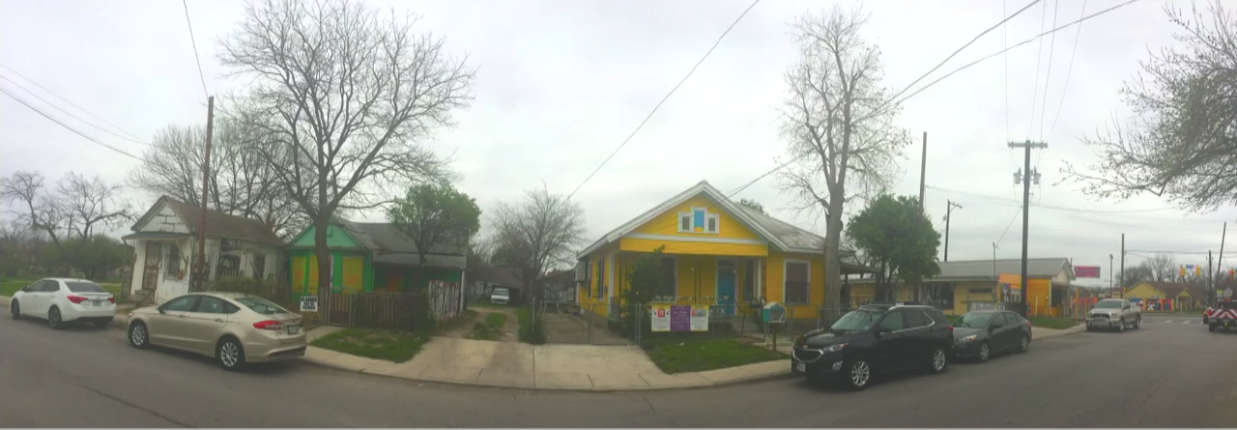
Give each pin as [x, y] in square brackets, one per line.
[1211, 327]
[139, 335]
[938, 361]
[53, 318]
[858, 374]
[985, 352]
[15, 308]
[1138, 323]
[230, 354]
[1024, 344]
[1121, 326]
[1090, 327]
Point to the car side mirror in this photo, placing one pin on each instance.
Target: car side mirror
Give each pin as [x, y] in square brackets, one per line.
[993, 327]
[160, 309]
[883, 330]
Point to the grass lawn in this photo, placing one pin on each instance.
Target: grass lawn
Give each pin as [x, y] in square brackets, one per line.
[678, 355]
[1053, 323]
[390, 345]
[490, 329]
[528, 333]
[456, 323]
[10, 285]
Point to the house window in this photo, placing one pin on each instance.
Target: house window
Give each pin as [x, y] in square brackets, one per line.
[601, 276]
[667, 281]
[588, 292]
[229, 266]
[797, 285]
[749, 281]
[173, 261]
[259, 267]
[940, 296]
[699, 220]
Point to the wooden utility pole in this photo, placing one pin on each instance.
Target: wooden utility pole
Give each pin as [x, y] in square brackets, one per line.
[1025, 178]
[1120, 283]
[199, 281]
[1213, 294]
[923, 171]
[949, 209]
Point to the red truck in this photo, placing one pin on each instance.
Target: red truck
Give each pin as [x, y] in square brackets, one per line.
[1221, 316]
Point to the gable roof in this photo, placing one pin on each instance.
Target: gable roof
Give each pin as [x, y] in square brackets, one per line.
[783, 236]
[384, 238]
[1170, 289]
[984, 269]
[217, 223]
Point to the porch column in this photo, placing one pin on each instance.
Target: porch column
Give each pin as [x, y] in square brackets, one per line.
[760, 279]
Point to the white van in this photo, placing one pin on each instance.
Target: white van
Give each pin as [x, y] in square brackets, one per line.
[500, 296]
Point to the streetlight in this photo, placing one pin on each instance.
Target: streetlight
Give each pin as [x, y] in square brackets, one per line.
[1110, 274]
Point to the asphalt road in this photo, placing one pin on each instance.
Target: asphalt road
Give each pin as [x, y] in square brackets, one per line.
[1165, 375]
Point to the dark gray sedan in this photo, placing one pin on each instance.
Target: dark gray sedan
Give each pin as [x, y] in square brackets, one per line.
[982, 333]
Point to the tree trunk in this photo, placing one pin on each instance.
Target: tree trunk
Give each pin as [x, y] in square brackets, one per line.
[323, 255]
[833, 264]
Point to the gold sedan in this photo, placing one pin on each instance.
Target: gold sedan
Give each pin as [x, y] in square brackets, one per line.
[234, 328]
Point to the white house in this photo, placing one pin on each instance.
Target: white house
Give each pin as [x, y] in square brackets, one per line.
[165, 240]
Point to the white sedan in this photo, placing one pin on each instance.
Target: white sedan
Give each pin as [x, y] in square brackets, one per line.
[64, 300]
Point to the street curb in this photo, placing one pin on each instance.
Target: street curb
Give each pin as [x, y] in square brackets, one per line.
[746, 380]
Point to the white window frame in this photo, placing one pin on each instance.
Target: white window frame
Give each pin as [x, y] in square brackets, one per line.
[785, 266]
[690, 216]
[679, 225]
[717, 223]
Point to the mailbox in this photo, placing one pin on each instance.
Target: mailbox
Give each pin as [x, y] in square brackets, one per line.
[773, 313]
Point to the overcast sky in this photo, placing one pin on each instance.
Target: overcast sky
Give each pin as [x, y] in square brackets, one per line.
[562, 83]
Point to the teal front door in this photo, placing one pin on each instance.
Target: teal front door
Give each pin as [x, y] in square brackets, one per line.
[726, 281]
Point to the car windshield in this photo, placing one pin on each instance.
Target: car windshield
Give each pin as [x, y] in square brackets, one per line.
[84, 287]
[261, 305]
[1108, 304]
[502, 292]
[974, 320]
[856, 320]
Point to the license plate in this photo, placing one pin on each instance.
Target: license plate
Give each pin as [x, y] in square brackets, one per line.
[800, 367]
[96, 302]
[294, 329]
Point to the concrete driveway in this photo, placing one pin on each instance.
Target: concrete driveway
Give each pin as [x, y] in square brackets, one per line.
[1165, 375]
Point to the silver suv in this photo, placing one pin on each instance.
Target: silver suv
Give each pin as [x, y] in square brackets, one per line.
[1116, 314]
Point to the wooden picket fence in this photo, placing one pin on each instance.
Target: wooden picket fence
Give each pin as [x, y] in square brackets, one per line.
[377, 309]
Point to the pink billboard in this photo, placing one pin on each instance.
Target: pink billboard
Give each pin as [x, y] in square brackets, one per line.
[1086, 271]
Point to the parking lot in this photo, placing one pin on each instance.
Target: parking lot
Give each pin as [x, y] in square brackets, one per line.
[1164, 375]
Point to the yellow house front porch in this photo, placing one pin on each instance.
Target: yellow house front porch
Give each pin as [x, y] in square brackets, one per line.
[715, 253]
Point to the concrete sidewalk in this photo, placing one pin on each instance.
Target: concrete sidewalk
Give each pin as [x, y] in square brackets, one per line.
[540, 367]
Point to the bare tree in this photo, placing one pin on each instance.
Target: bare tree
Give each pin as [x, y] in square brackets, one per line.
[1181, 142]
[241, 182]
[838, 122]
[40, 210]
[538, 233]
[88, 203]
[1162, 268]
[347, 96]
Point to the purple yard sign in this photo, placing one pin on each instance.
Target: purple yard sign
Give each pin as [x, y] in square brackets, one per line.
[1086, 271]
[680, 318]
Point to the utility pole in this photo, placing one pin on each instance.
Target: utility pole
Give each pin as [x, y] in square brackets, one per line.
[1122, 284]
[200, 279]
[1026, 176]
[1215, 295]
[1110, 274]
[923, 171]
[1211, 282]
[949, 208]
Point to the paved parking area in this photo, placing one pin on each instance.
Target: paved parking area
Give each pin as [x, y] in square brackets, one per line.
[1164, 375]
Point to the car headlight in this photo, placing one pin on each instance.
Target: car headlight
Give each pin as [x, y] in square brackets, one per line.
[966, 339]
[833, 348]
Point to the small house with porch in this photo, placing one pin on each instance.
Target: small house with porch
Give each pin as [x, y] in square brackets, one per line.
[372, 257]
[962, 286]
[165, 241]
[716, 253]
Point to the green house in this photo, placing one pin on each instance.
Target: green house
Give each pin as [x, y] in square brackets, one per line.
[370, 257]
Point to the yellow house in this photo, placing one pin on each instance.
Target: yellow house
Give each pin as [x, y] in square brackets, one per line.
[716, 253]
[981, 284]
[1166, 295]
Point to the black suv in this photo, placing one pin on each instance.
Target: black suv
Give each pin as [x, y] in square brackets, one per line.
[875, 339]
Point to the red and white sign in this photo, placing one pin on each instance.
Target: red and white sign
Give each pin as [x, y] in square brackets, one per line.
[1086, 271]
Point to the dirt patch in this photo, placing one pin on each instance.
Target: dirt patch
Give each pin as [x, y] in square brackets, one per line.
[570, 329]
[462, 328]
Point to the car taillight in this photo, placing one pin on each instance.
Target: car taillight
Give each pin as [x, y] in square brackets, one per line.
[951, 329]
[111, 300]
[76, 299]
[268, 325]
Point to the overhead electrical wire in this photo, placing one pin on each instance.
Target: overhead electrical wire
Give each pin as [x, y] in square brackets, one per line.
[663, 100]
[66, 126]
[1068, 71]
[1039, 58]
[193, 40]
[131, 136]
[947, 75]
[70, 114]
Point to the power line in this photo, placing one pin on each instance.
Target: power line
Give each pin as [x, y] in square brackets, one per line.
[70, 114]
[947, 75]
[667, 97]
[1039, 58]
[66, 126]
[1069, 71]
[70, 102]
[1062, 208]
[193, 40]
[1011, 224]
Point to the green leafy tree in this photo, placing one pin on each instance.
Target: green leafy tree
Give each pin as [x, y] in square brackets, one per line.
[753, 205]
[898, 239]
[642, 280]
[432, 215]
